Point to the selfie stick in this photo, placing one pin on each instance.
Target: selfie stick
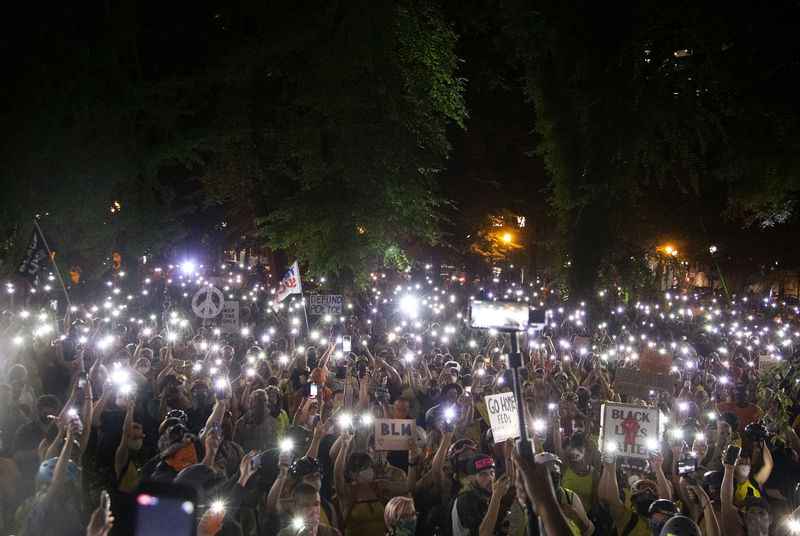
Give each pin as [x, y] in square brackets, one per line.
[515, 363]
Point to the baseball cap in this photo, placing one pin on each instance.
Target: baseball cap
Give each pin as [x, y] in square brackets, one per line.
[478, 463]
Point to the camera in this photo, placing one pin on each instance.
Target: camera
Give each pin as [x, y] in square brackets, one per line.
[756, 432]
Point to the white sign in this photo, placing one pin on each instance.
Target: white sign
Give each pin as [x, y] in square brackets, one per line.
[503, 418]
[230, 317]
[394, 434]
[207, 302]
[325, 304]
[633, 431]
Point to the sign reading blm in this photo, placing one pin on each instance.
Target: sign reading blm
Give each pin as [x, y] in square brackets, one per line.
[325, 304]
[394, 434]
[503, 416]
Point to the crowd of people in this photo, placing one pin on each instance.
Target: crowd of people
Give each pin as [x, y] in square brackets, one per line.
[108, 410]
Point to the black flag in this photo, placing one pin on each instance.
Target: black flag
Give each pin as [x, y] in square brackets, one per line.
[36, 257]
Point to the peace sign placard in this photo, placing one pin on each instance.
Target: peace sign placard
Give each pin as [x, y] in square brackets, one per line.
[207, 302]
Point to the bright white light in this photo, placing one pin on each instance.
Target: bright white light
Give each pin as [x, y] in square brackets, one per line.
[539, 425]
[286, 445]
[221, 384]
[120, 376]
[367, 419]
[345, 420]
[298, 523]
[409, 305]
[651, 443]
[611, 447]
[449, 414]
[188, 267]
[218, 506]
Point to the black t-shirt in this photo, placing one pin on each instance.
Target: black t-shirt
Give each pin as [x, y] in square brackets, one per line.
[472, 506]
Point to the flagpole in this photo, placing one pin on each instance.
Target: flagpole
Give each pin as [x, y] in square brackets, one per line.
[305, 314]
[53, 260]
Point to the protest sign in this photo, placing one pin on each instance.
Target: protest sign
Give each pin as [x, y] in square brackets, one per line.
[325, 304]
[502, 410]
[230, 317]
[636, 383]
[630, 428]
[767, 362]
[654, 362]
[207, 302]
[394, 434]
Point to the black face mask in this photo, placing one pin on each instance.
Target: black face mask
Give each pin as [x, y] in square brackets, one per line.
[642, 502]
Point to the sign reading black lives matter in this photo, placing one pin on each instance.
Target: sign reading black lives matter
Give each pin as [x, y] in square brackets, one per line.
[502, 410]
[325, 304]
[631, 430]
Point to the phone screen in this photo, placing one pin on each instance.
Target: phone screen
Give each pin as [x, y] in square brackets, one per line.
[312, 391]
[346, 344]
[166, 515]
[686, 466]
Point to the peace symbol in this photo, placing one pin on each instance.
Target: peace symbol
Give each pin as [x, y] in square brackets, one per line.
[207, 302]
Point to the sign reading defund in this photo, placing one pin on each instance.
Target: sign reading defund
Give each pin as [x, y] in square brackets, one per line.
[633, 431]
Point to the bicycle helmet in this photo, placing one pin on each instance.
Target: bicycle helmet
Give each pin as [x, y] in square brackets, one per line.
[680, 525]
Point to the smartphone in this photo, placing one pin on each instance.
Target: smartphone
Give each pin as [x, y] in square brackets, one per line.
[347, 345]
[165, 509]
[258, 461]
[312, 391]
[732, 454]
[105, 502]
[687, 465]
[468, 389]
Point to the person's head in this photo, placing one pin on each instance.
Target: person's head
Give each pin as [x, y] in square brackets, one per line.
[306, 504]
[47, 405]
[712, 484]
[228, 353]
[481, 470]
[724, 432]
[659, 512]
[451, 392]
[136, 437]
[17, 378]
[180, 451]
[644, 493]
[307, 471]
[400, 516]
[740, 396]
[143, 366]
[576, 449]
[742, 469]
[401, 408]
[257, 405]
[680, 525]
[46, 472]
[201, 395]
[459, 453]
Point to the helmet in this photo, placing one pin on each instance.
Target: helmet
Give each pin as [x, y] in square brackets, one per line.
[304, 466]
[48, 468]
[756, 431]
[547, 457]
[460, 446]
[680, 525]
[662, 506]
[177, 414]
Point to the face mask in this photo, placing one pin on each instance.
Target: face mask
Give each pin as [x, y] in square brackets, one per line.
[656, 526]
[576, 455]
[405, 527]
[199, 400]
[642, 502]
[182, 459]
[367, 475]
[742, 471]
[135, 444]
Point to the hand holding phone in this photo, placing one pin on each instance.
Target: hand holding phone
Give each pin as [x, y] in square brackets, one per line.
[731, 455]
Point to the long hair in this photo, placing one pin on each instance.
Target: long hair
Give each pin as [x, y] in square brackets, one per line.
[258, 406]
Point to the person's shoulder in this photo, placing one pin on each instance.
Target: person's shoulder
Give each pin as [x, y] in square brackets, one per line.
[327, 530]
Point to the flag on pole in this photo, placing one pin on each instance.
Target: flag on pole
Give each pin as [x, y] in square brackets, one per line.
[36, 256]
[290, 284]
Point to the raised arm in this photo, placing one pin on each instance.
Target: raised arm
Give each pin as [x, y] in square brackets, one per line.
[121, 456]
[766, 469]
[342, 487]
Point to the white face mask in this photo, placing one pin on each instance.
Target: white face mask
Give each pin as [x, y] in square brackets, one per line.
[367, 475]
[742, 471]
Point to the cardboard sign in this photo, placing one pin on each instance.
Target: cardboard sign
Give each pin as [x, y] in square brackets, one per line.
[636, 383]
[230, 317]
[503, 418]
[652, 362]
[325, 304]
[394, 434]
[630, 427]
